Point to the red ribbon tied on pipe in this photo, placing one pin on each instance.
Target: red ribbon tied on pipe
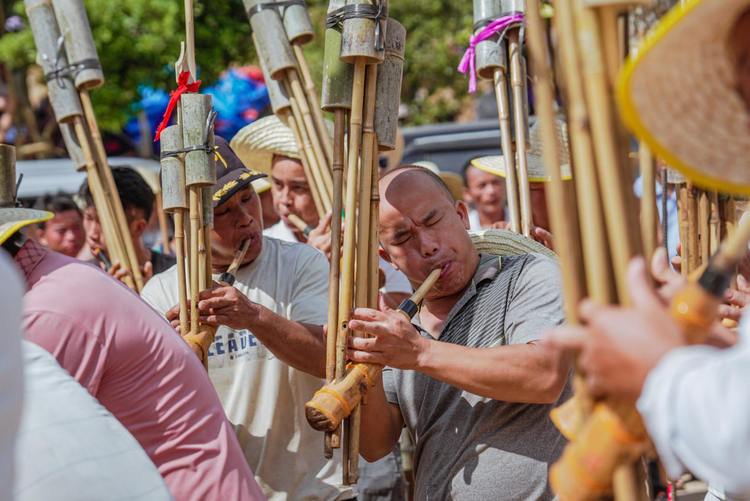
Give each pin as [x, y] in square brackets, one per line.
[183, 87]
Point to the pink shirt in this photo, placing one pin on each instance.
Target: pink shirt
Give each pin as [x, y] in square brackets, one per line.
[139, 368]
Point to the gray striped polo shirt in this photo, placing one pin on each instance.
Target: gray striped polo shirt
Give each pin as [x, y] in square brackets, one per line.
[475, 448]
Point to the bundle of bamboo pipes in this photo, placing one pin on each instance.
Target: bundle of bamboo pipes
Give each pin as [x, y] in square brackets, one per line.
[188, 172]
[280, 29]
[71, 65]
[362, 83]
[493, 56]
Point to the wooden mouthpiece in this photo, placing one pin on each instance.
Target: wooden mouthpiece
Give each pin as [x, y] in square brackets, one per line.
[335, 401]
[300, 224]
[228, 276]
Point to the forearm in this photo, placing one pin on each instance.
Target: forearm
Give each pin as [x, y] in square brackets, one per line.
[524, 373]
[302, 346]
[381, 424]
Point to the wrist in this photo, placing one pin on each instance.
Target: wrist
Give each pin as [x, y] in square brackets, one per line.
[424, 352]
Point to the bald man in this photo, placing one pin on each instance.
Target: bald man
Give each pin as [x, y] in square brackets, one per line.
[467, 378]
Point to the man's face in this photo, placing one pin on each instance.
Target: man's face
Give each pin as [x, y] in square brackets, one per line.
[291, 192]
[486, 191]
[92, 227]
[236, 220]
[539, 206]
[420, 230]
[63, 233]
[739, 46]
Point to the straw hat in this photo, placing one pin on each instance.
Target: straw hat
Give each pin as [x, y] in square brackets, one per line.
[257, 143]
[15, 218]
[680, 95]
[454, 182]
[534, 161]
[508, 243]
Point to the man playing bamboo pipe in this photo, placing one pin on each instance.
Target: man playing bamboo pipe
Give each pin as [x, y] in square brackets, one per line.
[268, 356]
[468, 379]
[270, 147]
[138, 203]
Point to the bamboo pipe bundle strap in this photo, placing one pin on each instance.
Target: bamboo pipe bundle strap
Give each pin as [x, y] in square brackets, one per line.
[335, 401]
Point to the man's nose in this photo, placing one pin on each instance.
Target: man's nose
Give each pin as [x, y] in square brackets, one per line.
[429, 245]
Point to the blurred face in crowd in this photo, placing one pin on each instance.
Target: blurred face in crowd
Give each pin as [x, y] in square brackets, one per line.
[63, 233]
[424, 229]
[93, 228]
[236, 220]
[539, 206]
[739, 46]
[291, 192]
[487, 192]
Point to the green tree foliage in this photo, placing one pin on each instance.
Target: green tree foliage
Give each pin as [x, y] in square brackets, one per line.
[139, 40]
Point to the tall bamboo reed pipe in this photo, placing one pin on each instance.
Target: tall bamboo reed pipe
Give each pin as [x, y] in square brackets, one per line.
[682, 208]
[506, 142]
[333, 440]
[518, 85]
[194, 274]
[563, 209]
[714, 223]
[649, 212]
[704, 228]
[312, 98]
[693, 227]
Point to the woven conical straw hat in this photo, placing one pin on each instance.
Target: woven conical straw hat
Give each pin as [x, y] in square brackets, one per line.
[257, 143]
[13, 219]
[680, 95]
[508, 243]
[534, 161]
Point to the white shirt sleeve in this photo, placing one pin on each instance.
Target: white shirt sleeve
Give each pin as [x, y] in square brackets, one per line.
[11, 369]
[695, 405]
[395, 280]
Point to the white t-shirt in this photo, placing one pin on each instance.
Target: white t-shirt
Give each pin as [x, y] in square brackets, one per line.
[395, 281]
[263, 397]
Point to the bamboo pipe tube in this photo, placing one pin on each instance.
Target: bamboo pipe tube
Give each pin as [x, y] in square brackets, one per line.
[692, 213]
[704, 229]
[130, 258]
[300, 224]
[229, 276]
[104, 211]
[599, 283]
[8, 180]
[333, 440]
[194, 274]
[374, 278]
[79, 42]
[506, 144]
[179, 246]
[312, 160]
[163, 227]
[312, 98]
[603, 128]
[567, 418]
[369, 145]
[649, 212]
[334, 402]
[682, 208]
[518, 86]
[295, 89]
[714, 223]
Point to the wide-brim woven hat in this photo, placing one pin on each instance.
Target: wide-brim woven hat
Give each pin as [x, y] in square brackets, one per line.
[680, 95]
[534, 161]
[257, 143]
[13, 219]
[452, 181]
[508, 243]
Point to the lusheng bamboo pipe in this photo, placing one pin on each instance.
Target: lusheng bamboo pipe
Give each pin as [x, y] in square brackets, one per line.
[704, 229]
[333, 439]
[714, 223]
[312, 98]
[305, 152]
[506, 143]
[682, 209]
[300, 224]
[649, 212]
[334, 402]
[562, 210]
[693, 226]
[517, 77]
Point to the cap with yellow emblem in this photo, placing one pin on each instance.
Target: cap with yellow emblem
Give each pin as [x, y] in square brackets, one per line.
[231, 173]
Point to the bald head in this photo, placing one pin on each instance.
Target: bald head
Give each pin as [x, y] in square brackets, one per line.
[422, 228]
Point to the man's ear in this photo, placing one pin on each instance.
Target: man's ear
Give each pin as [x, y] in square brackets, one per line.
[387, 257]
[138, 228]
[40, 237]
[463, 212]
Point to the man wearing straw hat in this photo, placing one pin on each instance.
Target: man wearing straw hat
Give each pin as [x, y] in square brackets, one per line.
[269, 146]
[537, 177]
[268, 355]
[467, 379]
[693, 399]
[127, 357]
